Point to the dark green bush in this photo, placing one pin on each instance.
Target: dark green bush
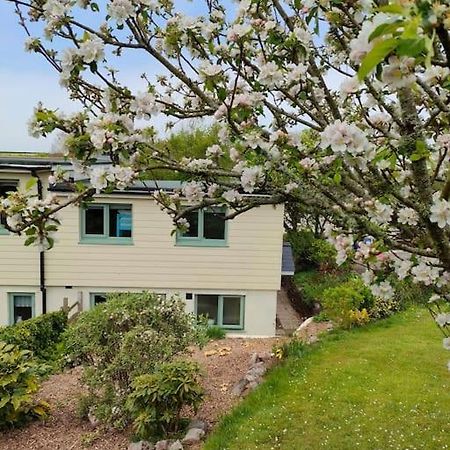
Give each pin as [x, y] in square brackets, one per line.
[215, 333]
[157, 399]
[18, 384]
[310, 251]
[129, 335]
[40, 335]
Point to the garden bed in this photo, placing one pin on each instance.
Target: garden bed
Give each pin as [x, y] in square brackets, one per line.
[226, 364]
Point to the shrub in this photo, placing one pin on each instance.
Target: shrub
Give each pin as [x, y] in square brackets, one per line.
[40, 335]
[215, 333]
[18, 383]
[384, 308]
[310, 251]
[158, 399]
[321, 317]
[294, 348]
[345, 303]
[129, 335]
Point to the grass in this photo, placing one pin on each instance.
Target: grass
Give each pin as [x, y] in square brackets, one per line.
[384, 386]
[312, 283]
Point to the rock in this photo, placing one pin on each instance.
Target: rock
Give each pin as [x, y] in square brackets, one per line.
[162, 445]
[196, 423]
[175, 446]
[252, 385]
[193, 436]
[304, 324]
[239, 387]
[312, 339]
[254, 358]
[141, 445]
[265, 356]
[93, 420]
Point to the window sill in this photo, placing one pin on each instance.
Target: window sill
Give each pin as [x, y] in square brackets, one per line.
[203, 243]
[106, 241]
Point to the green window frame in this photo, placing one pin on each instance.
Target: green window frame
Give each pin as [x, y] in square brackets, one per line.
[200, 240]
[5, 186]
[13, 297]
[92, 298]
[221, 300]
[104, 237]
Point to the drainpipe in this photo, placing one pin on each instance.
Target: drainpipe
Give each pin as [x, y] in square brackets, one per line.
[42, 286]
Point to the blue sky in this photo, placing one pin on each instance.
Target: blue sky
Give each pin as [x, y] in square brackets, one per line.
[26, 79]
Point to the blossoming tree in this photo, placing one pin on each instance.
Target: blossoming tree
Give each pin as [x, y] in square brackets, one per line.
[339, 105]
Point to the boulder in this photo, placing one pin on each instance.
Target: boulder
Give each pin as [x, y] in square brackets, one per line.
[196, 423]
[93, 420]
[193, 436]
[239, 387]
[162, 445]
[304, 324]
[176, 446]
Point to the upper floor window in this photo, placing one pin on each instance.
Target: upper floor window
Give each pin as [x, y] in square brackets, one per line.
[6, 186]
[207, 227]
[106, 224]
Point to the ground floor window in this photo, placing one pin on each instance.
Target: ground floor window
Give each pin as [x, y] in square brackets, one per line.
[21, 306]
[226, 311]
[96, 298]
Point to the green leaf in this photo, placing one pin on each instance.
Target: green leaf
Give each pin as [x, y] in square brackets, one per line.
[411, 47]
[421, 151]
[385, 28]
[393, 9]
[375, 56]
[337, 178]
[30, 240]
[31, 183]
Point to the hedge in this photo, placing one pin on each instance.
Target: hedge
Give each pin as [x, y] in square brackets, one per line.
[39, 335]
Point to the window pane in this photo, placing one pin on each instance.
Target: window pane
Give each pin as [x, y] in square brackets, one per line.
[214, 225]
[23, 307]
[208, 305]
[192, 219]
[94, 223]
[99, 298]
[5, 187]
[231, 311]
[120, 221]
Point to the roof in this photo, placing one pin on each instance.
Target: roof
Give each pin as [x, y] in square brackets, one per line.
[287, 260]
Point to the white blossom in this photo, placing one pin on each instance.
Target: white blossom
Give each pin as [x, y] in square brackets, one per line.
[144, 105]
[251, 176]
[344, 138]
[440, 212]
[193, 191]
[383, 290]
[232, 196]
[381, 213]
[120, 10]
[443, 319]
[408, 216]
[446, 343]
[425, 273]
[91, 50]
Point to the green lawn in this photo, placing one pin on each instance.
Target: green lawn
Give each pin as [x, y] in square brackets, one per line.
[385, 386]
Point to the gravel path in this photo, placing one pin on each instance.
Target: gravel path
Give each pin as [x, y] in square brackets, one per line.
[226, 364]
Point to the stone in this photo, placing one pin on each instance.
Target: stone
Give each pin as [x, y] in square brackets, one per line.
[239, 387]
[196, 423]
[141, 445]
[312, 339]
[176, 446]
[304, 324]
[93, 420]
[265, 356]
[162, 445]
[254, 358]
[193, 436]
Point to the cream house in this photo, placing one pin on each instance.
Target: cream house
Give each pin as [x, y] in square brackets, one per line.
[227, 270]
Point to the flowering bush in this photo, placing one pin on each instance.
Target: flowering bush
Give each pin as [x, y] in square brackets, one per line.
[128, 336]
[18, 384]
[349, 303]
[158, 399]
[368, 81]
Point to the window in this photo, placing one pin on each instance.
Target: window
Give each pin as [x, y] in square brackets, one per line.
[207, 227]
[96, 298]
[6, 186]
[21, 307]
[106, 224]
[226, 311]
